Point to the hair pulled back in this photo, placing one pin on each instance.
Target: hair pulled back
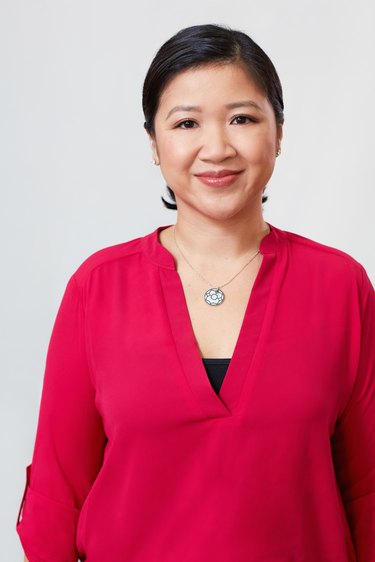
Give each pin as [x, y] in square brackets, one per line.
[207, 44]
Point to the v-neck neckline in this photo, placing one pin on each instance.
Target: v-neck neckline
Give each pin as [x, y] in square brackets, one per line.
[224, 403]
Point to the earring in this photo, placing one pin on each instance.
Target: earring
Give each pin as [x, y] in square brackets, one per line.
[278, 152]
[154, 162]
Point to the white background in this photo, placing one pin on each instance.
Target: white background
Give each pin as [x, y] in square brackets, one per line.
[75, 165]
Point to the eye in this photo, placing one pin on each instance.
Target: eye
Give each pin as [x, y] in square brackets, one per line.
[186, 124]
[243, 119]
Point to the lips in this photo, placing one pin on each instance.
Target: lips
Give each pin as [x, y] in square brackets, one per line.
[219, 178]
[218, 173]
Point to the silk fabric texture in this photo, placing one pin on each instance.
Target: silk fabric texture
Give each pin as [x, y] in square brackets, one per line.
[137, 459]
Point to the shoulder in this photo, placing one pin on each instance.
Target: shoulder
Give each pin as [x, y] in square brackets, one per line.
[317, 253]
[107, 257]
[324, 263]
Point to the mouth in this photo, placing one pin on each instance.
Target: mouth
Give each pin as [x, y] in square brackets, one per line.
[218, 177]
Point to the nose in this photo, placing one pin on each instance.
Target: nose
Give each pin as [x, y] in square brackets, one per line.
[216, 145]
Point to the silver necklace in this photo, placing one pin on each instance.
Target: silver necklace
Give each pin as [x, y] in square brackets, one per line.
[213, 296]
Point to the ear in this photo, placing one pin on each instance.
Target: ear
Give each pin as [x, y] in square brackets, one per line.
[279, 134]
[154, 149]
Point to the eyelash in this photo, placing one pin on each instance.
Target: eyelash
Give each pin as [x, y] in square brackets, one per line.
[251, 119]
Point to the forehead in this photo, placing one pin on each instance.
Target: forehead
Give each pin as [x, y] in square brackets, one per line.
[211, 84]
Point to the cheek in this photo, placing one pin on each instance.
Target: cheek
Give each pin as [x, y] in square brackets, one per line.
[261, 149]
[175, 152]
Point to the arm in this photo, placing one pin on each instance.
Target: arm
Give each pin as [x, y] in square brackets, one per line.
[353, 442]
[69, 444]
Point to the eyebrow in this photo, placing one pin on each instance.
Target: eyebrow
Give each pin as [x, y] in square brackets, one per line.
[234, 105]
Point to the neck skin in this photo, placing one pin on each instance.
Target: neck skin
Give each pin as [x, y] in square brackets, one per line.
[211, 243]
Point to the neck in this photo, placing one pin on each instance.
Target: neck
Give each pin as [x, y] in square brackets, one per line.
[211, 241]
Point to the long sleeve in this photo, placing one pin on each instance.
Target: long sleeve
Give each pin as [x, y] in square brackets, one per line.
[280, 465]
[69, 444]
[353, 442]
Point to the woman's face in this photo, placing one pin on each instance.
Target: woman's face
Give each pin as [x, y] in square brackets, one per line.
[214, 120]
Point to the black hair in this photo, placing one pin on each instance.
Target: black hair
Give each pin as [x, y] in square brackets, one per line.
[208, 44]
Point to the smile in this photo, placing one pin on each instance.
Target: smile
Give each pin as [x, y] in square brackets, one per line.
[221, 178]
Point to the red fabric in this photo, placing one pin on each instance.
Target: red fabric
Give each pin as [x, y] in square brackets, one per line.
[137, 459]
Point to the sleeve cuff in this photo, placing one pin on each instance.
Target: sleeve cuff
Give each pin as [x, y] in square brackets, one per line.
[47, 529]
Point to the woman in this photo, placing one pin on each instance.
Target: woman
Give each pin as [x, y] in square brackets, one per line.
[209, 391]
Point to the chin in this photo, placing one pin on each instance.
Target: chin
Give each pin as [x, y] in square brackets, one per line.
[228, 209]
[223, 214]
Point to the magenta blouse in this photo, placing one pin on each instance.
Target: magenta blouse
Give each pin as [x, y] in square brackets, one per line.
[138, 459]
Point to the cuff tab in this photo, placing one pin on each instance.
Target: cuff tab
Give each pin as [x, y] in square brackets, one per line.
[28, 471]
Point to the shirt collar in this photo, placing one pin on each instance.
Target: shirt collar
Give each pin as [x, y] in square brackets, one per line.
[159, 255]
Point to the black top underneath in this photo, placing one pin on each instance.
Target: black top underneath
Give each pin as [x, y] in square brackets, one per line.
[216, 370]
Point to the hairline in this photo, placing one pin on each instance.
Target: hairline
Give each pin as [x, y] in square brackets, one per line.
[236, 59]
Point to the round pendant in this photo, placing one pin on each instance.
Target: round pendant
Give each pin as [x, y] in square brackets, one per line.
[214, 297]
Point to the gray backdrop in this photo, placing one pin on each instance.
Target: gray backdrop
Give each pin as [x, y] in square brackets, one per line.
[75, 165]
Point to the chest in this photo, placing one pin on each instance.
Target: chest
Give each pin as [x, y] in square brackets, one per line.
[217, 328]
[147, 330]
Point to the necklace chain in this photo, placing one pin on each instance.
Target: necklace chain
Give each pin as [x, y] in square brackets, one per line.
[200, 275]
